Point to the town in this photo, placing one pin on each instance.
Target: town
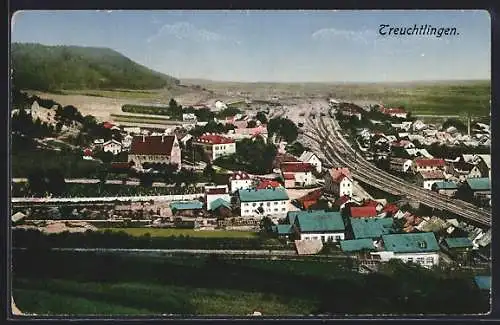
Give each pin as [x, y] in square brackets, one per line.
[248, 164]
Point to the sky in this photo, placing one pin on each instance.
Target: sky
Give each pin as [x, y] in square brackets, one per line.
[276, 46]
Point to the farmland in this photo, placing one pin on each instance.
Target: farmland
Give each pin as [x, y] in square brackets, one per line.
[184, 232]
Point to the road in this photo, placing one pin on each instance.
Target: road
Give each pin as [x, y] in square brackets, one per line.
[338, 152]
[109, 181]
[155, 198]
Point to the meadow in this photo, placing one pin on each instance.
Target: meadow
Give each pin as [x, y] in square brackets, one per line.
[168, 232]
[56, 283]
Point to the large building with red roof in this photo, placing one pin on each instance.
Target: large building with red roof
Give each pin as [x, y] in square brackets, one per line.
[215, 145]
[297, 174]
[339, 182]
[161, 149]
[363, 212]
[424, 164]
[394, 112]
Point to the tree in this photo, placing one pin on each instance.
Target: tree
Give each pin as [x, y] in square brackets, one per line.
[284, 128]
[146, 180]
[266, 225]
[55, 182]
[209, 172]
[295, 148]
[261, 116]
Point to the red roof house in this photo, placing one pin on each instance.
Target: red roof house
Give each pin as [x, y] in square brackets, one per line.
[363, 212]
[310, 198]
[155, 149]
[263, 184]
[214, 139]
[432, 163]
[296, 167]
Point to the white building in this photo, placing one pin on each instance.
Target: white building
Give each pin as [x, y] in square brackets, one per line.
[311, 158]
[215, 145]
[189, 117]
[112, 146]
[240, 181]
[263, 202]
[215, 192]
[420, 248]
[155, 149]
[297, 174]
[319, 225]
[127, 142]
[220, 105]
[427, 178]
[339, 182]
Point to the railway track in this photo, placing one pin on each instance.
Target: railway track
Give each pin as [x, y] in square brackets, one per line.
[338, 152]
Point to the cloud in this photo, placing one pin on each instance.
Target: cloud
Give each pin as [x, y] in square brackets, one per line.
[332, 34]
[187, 31]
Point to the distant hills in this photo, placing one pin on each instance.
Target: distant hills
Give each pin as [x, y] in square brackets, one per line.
[50, 68]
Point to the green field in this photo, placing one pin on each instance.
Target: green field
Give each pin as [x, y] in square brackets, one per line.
[157, 232]
[86, 283]
[119, 93]
[138, 117]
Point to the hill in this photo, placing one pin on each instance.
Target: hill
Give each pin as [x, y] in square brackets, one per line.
[49, 68]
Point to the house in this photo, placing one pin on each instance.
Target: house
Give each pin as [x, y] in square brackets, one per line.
[215, 146]
[426, 178]
[357, 245]
[112, 146]
[220, 105]
[394, 112]
[162, 149]
[220, 207]
[284, 231]
[484, 165]
[186, 208]
[476, 189]
[297, 174]
[132, 130]
[363, 212]
[310, 199]
[457, 245]
[189, 117]
[311, 158]
[267, 184]
[216, 192]
[447, 188]
[424, 164]
[17, 217]
[418, 125]
[261, 202]
[185, 139]
[322, 225]
[242, 132]
[339, 182]
[88, 154]
[110, 126]
[462, 170]
[240, 181]
[127, 142]
[401, 165]
[371, 228]
[420, 248]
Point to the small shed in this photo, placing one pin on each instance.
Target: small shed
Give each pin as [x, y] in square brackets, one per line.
[17, 217]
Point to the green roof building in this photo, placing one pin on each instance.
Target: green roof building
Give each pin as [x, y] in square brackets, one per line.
[356, 245]
[458, 243]
[445, 185]
[260, 195]
[219, 203]
[411, 243]
[284, 230]
[479, 184]
[371, 228]
[320, 224]
[186, 205]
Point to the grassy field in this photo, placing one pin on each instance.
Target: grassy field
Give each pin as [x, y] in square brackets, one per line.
[185, 232]
[84, 283]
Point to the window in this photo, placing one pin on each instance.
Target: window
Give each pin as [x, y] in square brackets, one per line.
[420, 260]
[254, 204]
[275, 209]
[268, 204]
[410, 259]
[429, 260]
[283, 209]
[275, 203]
[323, 238]
[337, 238]
[245, 204]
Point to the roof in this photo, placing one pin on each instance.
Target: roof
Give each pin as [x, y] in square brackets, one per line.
[119, 165]
[308, 246]
[307, 156]
[284, 229]
[296, 167]
[458, 242]
[463, 166]
[186, 205]
[486, 159]
[17, 216]
[288, 175]
[239, 175]
[214, 139]
[318, 220]
[446, 185]
[432, 174]
[479, 184]
[356, 245]
[411, 242]
[397, 110]
[483, 282]
[112, 141]
[370, 227]
[256, 195]
[87, 152]
[219, 203]
[366, 211]
[220, 190]
[313, 195]
[268, 184]
[152, 145]
[108, 125]
[341, 200]
[338, 174]
[432, 162]
[390, 208]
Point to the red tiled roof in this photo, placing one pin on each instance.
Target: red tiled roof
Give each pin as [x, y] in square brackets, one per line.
[281, 158]
[152, 145]
[87, 152]
[398, 110]
[217, 191]
[108, 125]
[311, 196]
[338, 174]
[239, 175]
[214, 139]
[390, 208]
[288, 175]
[433, 162]
[120, 165]
[341, 200]
[267, 183]
[296, 167]
[360, 212]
